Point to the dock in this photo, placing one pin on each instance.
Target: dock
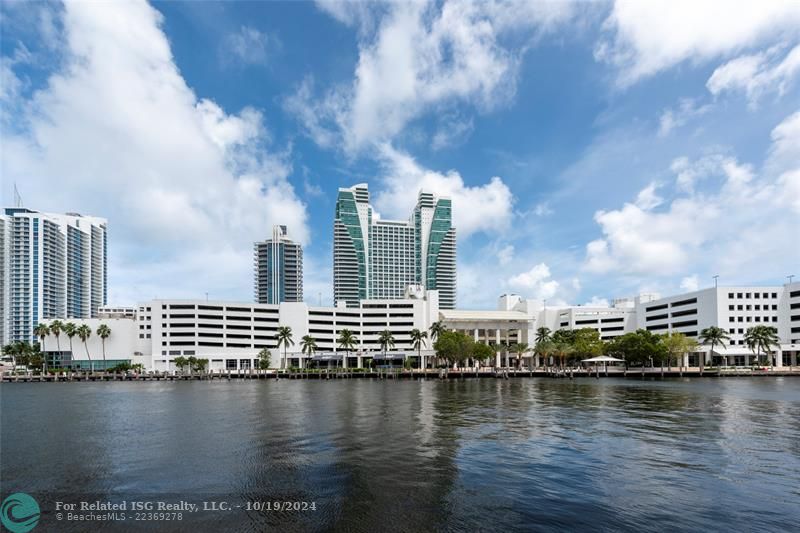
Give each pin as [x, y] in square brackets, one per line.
[395, 374]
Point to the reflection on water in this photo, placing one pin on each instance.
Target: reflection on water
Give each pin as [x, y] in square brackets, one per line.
[530, 454]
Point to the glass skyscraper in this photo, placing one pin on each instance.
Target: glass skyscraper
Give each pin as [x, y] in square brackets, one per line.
[53, 266]
[381, 258]
[278, 269]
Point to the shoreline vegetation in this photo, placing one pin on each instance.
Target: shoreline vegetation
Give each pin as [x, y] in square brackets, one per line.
[561, 353]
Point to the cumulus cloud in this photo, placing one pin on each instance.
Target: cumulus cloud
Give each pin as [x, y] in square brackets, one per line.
[191, 185]
[487, 208]
[722, 228]
[418, 56]
[647, 197]
[757, 74]
[644, 38]
[536, 282]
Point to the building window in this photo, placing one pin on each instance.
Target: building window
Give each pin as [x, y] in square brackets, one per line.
[230, 364]
[740, 307]
[730, 308]
[730, 295]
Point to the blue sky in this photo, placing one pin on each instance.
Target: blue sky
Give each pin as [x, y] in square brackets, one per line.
[592, 150]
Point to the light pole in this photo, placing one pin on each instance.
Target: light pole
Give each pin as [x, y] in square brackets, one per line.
[791, 277]
[716, 277]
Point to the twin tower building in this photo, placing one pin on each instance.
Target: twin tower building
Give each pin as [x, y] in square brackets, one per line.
[372, 258]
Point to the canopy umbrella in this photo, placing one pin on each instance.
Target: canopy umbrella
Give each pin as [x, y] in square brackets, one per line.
[605, 359]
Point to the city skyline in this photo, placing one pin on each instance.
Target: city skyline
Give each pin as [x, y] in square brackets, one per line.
[589, 150]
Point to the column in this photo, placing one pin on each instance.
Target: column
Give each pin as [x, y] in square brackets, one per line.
[497, 346]
[475, 333]
[779, 358]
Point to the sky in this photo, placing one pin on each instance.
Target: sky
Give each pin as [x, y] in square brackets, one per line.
[592, 150]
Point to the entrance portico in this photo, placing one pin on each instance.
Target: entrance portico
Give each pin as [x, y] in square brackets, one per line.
[499, 329]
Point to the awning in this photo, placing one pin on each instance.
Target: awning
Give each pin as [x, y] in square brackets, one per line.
[326, 357]
[602, 359]
[388, 356]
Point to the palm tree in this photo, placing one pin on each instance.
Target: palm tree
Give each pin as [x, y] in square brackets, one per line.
[308, 345]
[761, 338]
[418, 338]
[56, 327]
[347, 341]
[103, 332]
[436, 329]
[520, 348]
[543, 349]
[562, 350]
[387, 341]
[69, 330]
[714, 336]
[84, 332]
[284, 337]
[42, 331]
[542, 334]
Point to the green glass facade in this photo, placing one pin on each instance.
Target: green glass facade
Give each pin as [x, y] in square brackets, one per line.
[379, 259]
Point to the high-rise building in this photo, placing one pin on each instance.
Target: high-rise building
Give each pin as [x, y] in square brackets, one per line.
[53, 266]
[278, 269]
[380, 259]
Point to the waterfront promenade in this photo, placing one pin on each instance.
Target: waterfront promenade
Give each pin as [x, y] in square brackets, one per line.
[317, 374]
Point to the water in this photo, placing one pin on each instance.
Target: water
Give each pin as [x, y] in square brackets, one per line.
[532, 454]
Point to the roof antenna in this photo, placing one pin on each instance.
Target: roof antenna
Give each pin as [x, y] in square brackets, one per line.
[17, 197]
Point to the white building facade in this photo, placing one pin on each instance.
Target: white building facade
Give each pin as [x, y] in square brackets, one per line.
[231, 334]
[53, 266]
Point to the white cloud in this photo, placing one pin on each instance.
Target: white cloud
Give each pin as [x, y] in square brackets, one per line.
[690, 283]
[724, 229]
[249, 46]
[644, 38]
[647, 198]
[757, 74]
[687, 110]
[597, 302]
[536, 282]
[418, 56]
[452, 130]
[191, 185]
[486, 208]
[784, 160]
[506, 254]
[542, 209]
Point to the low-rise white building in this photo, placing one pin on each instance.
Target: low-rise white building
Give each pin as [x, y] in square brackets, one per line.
[231, 334]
